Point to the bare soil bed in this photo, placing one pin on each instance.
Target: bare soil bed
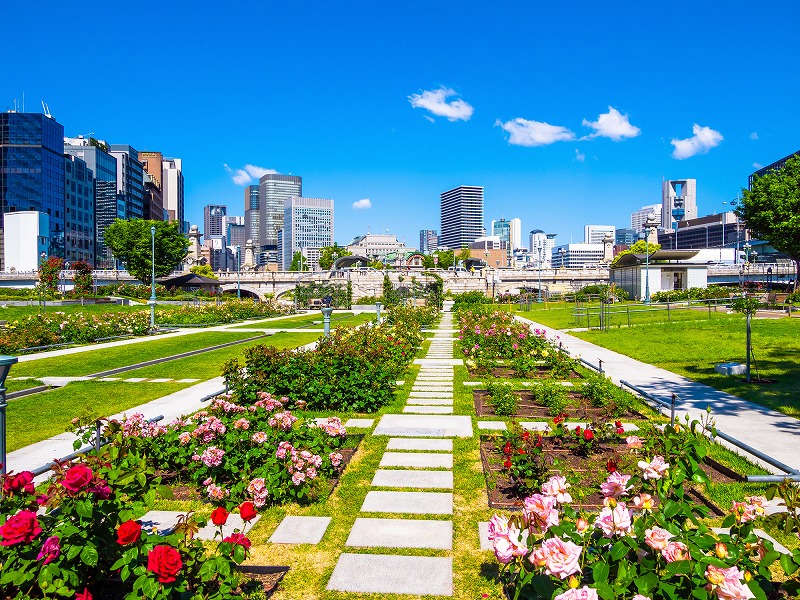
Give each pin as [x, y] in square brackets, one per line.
[529, 408]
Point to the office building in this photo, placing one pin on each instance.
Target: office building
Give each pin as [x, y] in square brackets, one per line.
[307, 223]
[638, 217]
[130, 181]
[705, 232]
[172, 191]
[764, 170]
[678, 201]
[577, 256]
[235, 234]
[541, 248]
[78, 211]
[594, 234]
[625, 237]
[428, 240]
[152, 163]
[213, 216]
[251, 202]
[376, 246]
[217, 251]
[273, 191]
[32, 171]
[27, 240]
[461, 216]
[515, 234]
[104, 167]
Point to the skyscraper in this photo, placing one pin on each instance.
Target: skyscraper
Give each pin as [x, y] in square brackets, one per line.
[541, 249]
[32, 171]
[461, 216]
[213, 216]
[251, 203]
[273, 190]
[130, 180]
[307, 223]
[152, 162]
[678, 201]
[172, 190]
[104, 166]
[79, 210]
[428, 240]
[638, 217]
[594, 234]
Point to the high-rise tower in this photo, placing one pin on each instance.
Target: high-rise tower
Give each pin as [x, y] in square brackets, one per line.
[462, 216]
[273, 190]
[678, 201]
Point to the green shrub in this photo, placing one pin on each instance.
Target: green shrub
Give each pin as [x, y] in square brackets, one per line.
[552, 395]
[505, 401]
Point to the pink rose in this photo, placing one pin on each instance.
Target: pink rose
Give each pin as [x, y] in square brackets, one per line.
[51, 550]
[615, 485]
[558, 557]
[556, 487]
[498, 527]
[676, 551]
[657, 538]
[584, 593]
[540, 511]
[510, 545]
[20, 528]
[76, 478]
[616, 521]
[727, 584]
[655, 469]
[640, 597]
[633, 441]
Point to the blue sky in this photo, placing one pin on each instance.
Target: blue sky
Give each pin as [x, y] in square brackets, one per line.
[567, 113]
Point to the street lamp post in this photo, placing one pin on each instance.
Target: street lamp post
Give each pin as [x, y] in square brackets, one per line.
[44, 288]
[239, 271]
[649, 224]
[153, 278]
[539, 273]
[723, 232]
[5, 367]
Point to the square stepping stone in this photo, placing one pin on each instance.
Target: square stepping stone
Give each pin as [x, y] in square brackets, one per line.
[474, 383]
[110, 379]
[358, 423]
[419, 444]
[187, 380]
[417, 460]
[429, 410]
[438, 361]
[430, 401]
[440, 480]
[483, 536]
[399, 382]
[136, 379]
[410, 503]
[386, 574]
[492, 425]
[424, 426]
[161, 380]
[300, 530]
[434, 386]
[401, 533]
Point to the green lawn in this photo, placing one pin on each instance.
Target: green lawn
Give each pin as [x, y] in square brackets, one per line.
[312, 321]
[10, 313]
[23, 384]
[693, 348]
[96, 361]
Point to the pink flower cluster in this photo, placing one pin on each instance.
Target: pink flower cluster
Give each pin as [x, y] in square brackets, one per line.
[584, 593]
[336, 459]
[258, 489]
[655, 469]
[137, 426]
[259, 437]
[558, 557]
[268, 403]
[227, 406]
[282, 420]
[303, 464]
[614, 521]
[540, 511]
[214, 491]
[727, 584]
[661, 540]
[209, 429]
[212, 456]
[334, 427]
[616, 485]
[633, 442]
[750, 509]
[242, 424]
[556, 487]
[507, 540]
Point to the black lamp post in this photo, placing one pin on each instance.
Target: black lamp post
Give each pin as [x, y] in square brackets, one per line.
[5, 366]
[153, 278]
[649, 225]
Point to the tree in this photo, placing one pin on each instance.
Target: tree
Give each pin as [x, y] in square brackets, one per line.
[299, 262]
[82, 279]
[638, 248]
[771, 209]
[464, 254]
[446, 259]
[329, 254]
[203, 271]
[130, 243]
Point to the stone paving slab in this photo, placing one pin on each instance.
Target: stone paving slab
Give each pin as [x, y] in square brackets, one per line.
[483, 536]
[438, 361]
[431, 386]
[300, 530]
[187, 380]
[424, 426]
[159, 380]
[402, 478]
[448, 394]
[359, 423]
[430, 401]
[385, 574]
[493, 425]
[417, 460]
[110, 379]
[62, 381]
[400, 382]
[409, 503]
[428, 410]
[401, 533]
[135, 379]
[419, 444]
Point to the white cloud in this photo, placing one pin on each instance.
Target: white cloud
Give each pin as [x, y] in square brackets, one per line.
[758, 166]
[362, 204]
[522, 132]
[613, 125]
[578, 156]
[435, 101]
[247, 175]
[754, 135]
[702, 141]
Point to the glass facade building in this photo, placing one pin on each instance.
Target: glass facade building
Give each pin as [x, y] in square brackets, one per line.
[462, 216]
[32, 170]
[79, 210]
[274, 189]
[308, 223]
[130, 180]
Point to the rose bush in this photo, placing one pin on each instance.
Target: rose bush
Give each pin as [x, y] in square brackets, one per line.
[648, 542]
[226, 312]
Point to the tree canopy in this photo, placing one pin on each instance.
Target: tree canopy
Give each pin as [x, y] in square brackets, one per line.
[299, 262]
[771, 209]
[638, 248]
[463, 255]
[329, 254]
[445, 261]
[203, 271]
[130, 242]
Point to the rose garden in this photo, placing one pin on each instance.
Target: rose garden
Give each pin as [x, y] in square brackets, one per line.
[464, 453]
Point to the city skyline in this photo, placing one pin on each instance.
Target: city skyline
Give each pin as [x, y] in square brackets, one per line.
[560, 130]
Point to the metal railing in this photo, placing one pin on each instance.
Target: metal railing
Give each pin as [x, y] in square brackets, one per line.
[603, 315]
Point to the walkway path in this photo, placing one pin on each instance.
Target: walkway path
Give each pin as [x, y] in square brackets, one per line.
[771, 432]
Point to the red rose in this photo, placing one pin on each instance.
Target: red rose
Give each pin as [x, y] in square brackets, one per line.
[128, 533]
[237, 538]
[617, 424]
[84, 595]
[76, 478]
[165, 562]
[611, 465]
[247, 511]
[578, 430]
[588, 435]
[22, 527]
[219, 516]
[21, 482]
[507, 463]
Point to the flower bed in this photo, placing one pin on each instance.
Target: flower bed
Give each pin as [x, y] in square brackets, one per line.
[61, 328]
[648, 541]
[226, 312]
[352, 370]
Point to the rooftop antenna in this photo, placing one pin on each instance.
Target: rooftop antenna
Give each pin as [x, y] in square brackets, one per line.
[45, 109]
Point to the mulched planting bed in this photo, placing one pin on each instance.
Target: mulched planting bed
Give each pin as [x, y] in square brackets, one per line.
[508, 373]
[265, 578]
[529, 408]
[588, 472]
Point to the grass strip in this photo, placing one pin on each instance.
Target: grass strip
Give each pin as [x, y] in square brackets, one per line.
[311, 321]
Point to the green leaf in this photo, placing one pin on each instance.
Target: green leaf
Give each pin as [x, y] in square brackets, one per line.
[618, 550]
[679, 567]
[150, 587]
[756, 589]
[600, 572]
[84, 508]
[89, 555]
[788, 565]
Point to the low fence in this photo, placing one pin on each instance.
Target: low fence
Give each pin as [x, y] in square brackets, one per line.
[605, 315]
